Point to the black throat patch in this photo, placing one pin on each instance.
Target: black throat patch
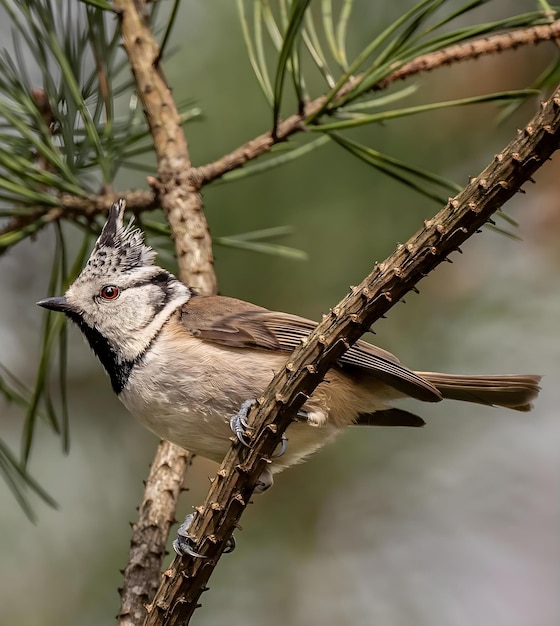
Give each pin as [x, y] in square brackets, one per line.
[119, 371]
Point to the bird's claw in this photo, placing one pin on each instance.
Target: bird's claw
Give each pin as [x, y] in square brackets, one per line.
[230, 544]
[183, 544]
[283, 448]
[238, 423]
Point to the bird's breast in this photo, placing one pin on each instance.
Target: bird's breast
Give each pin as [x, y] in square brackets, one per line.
[186, 390]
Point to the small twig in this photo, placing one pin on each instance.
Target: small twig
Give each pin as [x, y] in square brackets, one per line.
[180, 200]
[71, 207]
[295, 123]
[90, 206]
[474, 49]
[186, 578]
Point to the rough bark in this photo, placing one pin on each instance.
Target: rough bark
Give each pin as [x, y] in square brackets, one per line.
[156, 514]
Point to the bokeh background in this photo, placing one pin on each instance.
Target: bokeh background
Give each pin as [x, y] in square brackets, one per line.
[454, 524]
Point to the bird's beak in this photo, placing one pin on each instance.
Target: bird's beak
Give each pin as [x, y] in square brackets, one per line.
[56, 304]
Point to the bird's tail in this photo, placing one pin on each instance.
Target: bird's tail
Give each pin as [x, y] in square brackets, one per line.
[513, 392]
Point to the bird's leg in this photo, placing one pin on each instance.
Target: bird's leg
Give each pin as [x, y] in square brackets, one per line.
[239, 426]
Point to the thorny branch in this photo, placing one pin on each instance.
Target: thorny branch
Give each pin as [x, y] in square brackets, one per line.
[186, 578]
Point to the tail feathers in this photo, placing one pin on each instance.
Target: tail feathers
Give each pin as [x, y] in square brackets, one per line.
[512, 392]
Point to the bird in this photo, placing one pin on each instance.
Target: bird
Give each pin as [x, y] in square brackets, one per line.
[189, 365]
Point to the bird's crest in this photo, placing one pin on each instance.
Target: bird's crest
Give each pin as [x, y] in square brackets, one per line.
[119, 248]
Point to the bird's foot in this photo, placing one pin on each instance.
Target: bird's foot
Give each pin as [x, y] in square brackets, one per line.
[238, 423]
[283, 447]
[239, 426]
[183, 544]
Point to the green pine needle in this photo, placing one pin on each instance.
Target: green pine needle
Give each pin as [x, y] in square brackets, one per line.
[100, 4]
[298, 9]
[361, 120]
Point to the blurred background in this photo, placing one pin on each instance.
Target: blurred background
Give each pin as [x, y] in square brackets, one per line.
[450, 525]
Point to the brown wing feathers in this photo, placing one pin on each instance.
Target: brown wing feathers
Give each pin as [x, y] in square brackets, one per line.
[228, 321]
[239, 324]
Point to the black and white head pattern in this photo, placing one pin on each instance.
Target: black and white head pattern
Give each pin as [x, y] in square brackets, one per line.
[119, 249]
[121, 300]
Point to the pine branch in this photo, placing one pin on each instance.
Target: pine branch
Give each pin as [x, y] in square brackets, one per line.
[69, 207]
[192, 179]
[180, 200]
[470, 50]
[463, 216]
[92, 205]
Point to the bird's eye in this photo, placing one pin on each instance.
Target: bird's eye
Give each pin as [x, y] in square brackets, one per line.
[110, 292]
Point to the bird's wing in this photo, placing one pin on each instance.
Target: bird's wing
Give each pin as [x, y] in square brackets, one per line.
[239, 324]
